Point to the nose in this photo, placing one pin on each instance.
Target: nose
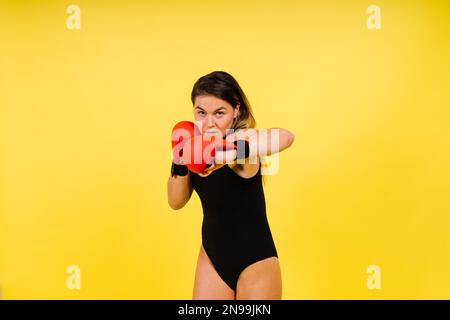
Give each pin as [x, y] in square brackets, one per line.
[210, 122]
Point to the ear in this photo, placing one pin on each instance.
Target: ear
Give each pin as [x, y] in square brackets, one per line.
[236, 110]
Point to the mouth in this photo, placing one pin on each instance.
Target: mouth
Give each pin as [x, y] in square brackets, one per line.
[212, 132]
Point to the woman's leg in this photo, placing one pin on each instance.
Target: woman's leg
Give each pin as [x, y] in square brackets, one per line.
[260, 280]
[208, 284]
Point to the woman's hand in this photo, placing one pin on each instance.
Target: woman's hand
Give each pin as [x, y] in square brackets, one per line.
[214, 166]
[221, 158]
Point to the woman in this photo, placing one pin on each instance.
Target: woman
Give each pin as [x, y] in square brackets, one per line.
[237, 258]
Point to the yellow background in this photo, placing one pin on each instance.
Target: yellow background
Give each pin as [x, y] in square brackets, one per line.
[86, 117]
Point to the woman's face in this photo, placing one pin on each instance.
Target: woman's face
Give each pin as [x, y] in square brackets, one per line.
[214, 114]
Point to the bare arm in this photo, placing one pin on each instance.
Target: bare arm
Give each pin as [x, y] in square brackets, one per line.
[278, 139]
[265, 142]
[179, 191]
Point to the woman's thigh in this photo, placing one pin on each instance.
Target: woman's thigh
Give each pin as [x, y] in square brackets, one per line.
[260, 280]
[208, 284]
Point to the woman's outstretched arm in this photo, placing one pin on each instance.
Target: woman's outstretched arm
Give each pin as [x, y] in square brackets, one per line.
[264, 142]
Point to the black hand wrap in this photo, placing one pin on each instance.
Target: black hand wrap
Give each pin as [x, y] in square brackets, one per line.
[179, 170]
[242, 149]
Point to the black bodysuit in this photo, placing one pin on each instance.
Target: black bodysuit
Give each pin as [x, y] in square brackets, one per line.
[235, 230]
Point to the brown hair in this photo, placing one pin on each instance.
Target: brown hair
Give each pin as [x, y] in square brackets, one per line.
[223, 86]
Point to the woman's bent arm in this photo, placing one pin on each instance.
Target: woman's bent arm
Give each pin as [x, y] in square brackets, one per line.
[179, 190]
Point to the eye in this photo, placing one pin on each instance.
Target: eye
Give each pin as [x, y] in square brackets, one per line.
[201, 112]
[220, 113]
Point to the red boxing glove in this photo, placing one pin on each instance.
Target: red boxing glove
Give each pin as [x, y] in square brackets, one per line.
[181, 133]
[199, 152]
